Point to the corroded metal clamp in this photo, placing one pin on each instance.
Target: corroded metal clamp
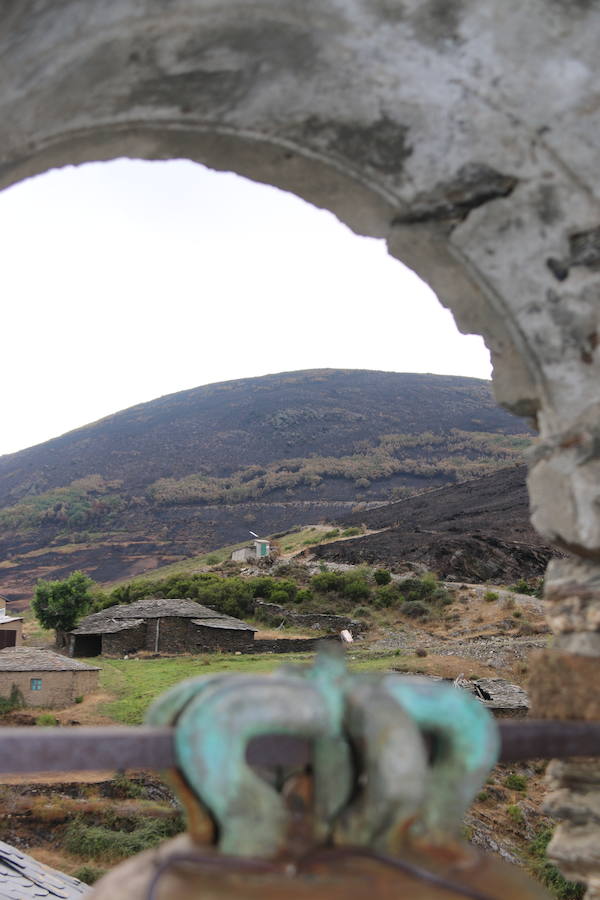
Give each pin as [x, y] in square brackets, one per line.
[394, 759]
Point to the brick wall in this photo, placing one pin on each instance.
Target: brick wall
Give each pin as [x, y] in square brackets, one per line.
[123, 642]
[202, 639]
[58, 688]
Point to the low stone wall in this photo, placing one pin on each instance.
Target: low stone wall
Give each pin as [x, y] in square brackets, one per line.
[283, 645]
[318, 621]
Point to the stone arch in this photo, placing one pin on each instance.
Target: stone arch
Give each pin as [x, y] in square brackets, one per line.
[464, 132]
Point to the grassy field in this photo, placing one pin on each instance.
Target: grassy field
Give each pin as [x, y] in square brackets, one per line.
[134, 683]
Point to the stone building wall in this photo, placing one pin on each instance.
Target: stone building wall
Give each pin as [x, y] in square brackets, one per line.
[172, 634]
[489, 197]
[58, 688]
[17, 627]
[122, 642]
[203, 639]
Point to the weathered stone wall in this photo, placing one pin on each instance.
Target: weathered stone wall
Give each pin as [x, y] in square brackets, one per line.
[16, 627]
[283, 645]
[274, 613]
[172, 634]
[58, 688]
[122, 642]
[464, 133]
[201, 639]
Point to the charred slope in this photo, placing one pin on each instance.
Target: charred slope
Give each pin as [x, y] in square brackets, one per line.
[220, 428]
[497, 503]
[476, 531]
[195, 470]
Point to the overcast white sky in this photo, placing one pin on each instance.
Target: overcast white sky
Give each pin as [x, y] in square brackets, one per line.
[124, 281]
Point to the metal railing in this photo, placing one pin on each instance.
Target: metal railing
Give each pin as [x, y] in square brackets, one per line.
[78, 749]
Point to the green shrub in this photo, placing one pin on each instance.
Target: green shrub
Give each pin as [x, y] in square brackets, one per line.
[326, 582]
[427, 589]
[89, 874]
[212, 559]
[517, 614]
[490, 596]
[46, 719]
[351, 532]
[355, 588]
[279, 597]
[304, 595]
[112, 844]
[547, 873]
[534, 587]
[388, 595]
[262, 586]
[78, 699]
[126, 789]
[15, 700]
[382, 576]
[516, 782]
[415, 609]
[362, 612]
[516, 814]
[289, 587]
[482, 796]
[330, 534]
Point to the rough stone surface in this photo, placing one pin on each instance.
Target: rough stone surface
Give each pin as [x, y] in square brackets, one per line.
[158, 626]
[466, 134]
[563, 685]
[58, 688]
[319, 621]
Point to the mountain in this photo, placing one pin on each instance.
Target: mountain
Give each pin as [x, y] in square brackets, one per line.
[197, 469]
[475, 531]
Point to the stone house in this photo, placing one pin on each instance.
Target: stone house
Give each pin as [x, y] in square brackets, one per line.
[11, 628]
[259, 549]
[45, 678]
[158, 626]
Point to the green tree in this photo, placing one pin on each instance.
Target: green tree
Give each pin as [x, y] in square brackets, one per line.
[59, 604]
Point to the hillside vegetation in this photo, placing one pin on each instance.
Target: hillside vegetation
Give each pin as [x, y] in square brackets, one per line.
[196, 470]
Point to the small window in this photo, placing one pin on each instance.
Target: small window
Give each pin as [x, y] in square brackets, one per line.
[36, 684]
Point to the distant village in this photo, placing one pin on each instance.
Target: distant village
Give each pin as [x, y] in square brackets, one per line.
[155, 626]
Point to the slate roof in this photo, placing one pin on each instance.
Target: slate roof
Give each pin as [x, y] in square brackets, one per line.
[106, 626]
[224, 622]
[21, 876]
[29, 659]
[153, 608]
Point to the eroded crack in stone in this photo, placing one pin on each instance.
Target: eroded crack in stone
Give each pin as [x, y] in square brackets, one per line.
[584, 250]
[451, 201]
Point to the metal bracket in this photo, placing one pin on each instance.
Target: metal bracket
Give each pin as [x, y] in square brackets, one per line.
[376, 781]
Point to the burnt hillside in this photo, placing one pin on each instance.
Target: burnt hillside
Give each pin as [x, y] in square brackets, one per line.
[195, 470]
[475, 531]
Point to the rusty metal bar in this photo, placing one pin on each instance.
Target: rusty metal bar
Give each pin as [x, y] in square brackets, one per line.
[548, 739]
[29, 750]
[81, 749]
